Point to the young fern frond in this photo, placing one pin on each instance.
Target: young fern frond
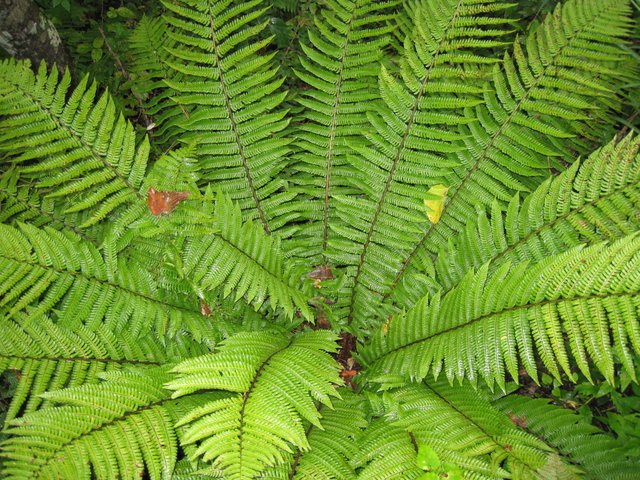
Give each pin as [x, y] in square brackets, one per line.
[541, 97]
[591, 201]
[47, 271]
[73, 147]
[488, 324]
[411, 134]
[273, 382]
[597, 455]
[237, 123]
[340, 65]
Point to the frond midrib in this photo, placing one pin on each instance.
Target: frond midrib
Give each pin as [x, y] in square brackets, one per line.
[234, 125]
[396, 159]
[332, 137]
[480, 158]
[118, 361]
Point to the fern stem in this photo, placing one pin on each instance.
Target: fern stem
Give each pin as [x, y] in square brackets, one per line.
[396, 159]
[234, 125]
[121, 361]
[332, 137]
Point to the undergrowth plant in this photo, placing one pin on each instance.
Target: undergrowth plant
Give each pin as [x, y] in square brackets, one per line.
[343, 274]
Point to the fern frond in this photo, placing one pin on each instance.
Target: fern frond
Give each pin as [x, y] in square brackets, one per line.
[385, 451]
[488, 324]
[340, 66]
[148, 44]
[543, 99]
[467, 431]
[48, 356]
[273, 382]
[76, 147]
[21, 202]
[410, 137]
[240, 257]
[331, 447]
[598, 455]
[590, 202]
[101, 431]
[46, 271]
[236, 91]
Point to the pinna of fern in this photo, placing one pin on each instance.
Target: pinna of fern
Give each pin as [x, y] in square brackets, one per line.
[179, 342]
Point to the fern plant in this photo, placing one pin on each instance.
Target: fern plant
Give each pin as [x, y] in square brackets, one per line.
[347, 280]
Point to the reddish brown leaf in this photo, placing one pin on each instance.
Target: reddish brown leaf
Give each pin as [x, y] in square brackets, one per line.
[518, 421]
[321, 272]
[164, 202]
[205, 309]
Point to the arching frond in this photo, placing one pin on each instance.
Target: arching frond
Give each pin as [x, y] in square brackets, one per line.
[273, 383]
[80, 150]
[487, 325]
[544, 99]
[590, 202]
[233, 97]
[597, 455]
[409, 140]
[340, 66]
[48, 356]
[46, 271]
[467, 431]
[101, 431]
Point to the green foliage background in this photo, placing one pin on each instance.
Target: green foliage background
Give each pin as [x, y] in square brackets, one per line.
[406, 244]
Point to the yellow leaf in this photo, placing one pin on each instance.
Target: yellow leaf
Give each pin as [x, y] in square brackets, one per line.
[435, 202]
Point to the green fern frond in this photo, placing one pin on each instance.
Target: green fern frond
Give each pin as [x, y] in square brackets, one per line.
[100, 431]
[48, 356]
[240, 257]
[330, 447]
[543, 99]
[409, 141]
[467, 431]
[598, 455]
[385, 451]
[273, 383]
[46, 271]
[22, 202]
[340, 66]
[73, 147]
[590, 202]
[236, 91]
[148, 45]
[488, 324]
